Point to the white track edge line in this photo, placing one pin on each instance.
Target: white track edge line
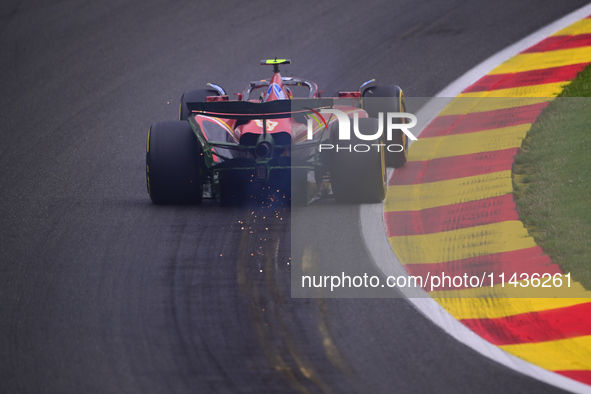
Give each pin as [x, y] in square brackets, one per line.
[373, 227]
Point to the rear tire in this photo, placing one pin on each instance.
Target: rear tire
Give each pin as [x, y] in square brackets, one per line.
[194, 96]
[173, 170]
[358, 177]
[384, 99]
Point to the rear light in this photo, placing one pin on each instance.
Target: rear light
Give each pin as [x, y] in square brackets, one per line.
[217, 98]
[261, 171]
[349, 95]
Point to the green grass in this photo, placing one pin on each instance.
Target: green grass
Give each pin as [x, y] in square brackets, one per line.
[552, 180]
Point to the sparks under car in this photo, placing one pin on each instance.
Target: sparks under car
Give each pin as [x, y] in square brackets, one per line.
[268, 139]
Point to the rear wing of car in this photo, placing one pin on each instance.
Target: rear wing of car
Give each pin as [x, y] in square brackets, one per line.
[245, 110]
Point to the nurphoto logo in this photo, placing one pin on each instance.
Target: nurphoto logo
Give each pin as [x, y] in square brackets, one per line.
[345, 131]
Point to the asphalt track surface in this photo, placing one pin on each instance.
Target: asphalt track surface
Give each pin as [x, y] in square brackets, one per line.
[103, 292]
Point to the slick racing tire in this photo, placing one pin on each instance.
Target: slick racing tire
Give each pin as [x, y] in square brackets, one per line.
[193, 96]
[173, 164]
[384, 99]
[358, 177]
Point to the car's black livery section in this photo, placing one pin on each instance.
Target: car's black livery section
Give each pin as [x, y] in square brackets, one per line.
[243, 147]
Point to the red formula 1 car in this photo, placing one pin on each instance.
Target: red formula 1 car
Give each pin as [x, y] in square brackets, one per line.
[301, 149]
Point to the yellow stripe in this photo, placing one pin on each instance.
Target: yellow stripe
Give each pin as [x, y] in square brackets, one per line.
[576, 290]
[581, 27]
[452, 191]
[492, 308]
[541, 60]
[276, 61]
[219, 122]
[561, 355]
[466, 105]
[570, 354]
[465, 144]
[540, 91]
[463, 243]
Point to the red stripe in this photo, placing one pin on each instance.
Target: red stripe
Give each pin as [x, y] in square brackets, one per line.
[550, 325]
[415, 172]
[529, 261]
[451, 217]
[479, 121]
[526, 78]
[581, 376]
[560, 42]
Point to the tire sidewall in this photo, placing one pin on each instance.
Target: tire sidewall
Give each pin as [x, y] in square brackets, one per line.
[173, 170]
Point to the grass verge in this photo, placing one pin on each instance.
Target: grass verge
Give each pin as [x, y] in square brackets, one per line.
[552, 180]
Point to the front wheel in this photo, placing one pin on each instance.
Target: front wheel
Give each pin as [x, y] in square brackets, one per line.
[173, 164]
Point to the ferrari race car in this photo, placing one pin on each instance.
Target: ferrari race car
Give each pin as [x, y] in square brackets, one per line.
[298, 148]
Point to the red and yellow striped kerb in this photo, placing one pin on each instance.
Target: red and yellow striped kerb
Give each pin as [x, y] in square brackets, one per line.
[450, 209]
